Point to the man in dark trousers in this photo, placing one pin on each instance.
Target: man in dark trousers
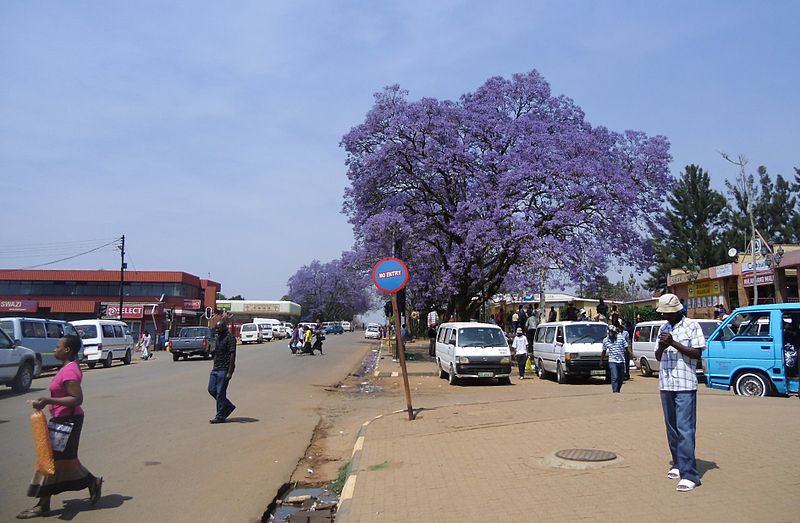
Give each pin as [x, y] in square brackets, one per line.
[222, 372]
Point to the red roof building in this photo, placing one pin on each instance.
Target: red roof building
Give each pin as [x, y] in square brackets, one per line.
[152, 300]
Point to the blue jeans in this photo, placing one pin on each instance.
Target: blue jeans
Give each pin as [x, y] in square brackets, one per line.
[616, 373]
[680, 417]
[522, 360]
[218, 388]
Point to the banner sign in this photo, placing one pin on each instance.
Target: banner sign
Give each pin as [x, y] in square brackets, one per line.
[261, 307]
[192, 305]
[763, 279]
[19, 306]
[128, 311]
[390, 275]
[704, 288]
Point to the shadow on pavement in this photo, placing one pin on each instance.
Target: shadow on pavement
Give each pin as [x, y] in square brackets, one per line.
[73, 507]
[242, 419]
[704, 466]
[10, 393]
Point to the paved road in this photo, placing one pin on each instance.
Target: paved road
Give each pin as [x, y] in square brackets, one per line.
[147, 433]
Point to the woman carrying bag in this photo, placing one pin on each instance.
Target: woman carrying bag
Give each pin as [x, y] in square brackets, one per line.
[65, 426]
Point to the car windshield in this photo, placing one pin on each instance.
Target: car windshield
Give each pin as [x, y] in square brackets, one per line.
[87, 331]
[587, 333]
[481, 337]
[708, 327]
[8, 327]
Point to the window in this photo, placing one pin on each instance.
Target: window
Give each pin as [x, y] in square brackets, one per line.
[117, 331]
[69, 329]
[87, 331]
[108, 331]
[249, 327]
[708, 327]
[33, 329]
[451, 336]
[550, 335]
[54, 330]
[481, 337]
[746, 325]
[440, 338]
[8, 327]
[540, 335]
[126, 329]
[5, 341]
[642, 333]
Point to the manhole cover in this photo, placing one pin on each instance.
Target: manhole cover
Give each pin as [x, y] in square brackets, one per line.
[592, 455]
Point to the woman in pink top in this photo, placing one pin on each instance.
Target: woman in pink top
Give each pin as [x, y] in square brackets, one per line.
[65, 401]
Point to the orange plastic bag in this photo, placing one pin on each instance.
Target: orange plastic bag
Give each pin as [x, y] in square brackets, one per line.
[41, 439]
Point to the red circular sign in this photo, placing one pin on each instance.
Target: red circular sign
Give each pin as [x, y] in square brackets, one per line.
[390, 275]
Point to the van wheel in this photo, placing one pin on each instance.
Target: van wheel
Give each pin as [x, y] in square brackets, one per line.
[540, 372]
[37, 367]
[175, 357]
[645, 368]
[452, 379]
[23, 379]
[505, 381]
[751, 383]
[91, 364]
[561, 377]
[108, 361]
[127, 359]
[442, 373]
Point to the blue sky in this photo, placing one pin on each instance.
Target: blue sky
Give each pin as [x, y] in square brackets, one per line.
[208, 132]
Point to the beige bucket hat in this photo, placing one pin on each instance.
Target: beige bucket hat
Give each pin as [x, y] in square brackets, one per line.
[669, 303]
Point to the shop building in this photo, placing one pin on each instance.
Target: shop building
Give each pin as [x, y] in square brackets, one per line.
[244, 311]
[734, 284]
[151, 300]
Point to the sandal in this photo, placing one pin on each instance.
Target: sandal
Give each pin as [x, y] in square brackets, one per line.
[674, 474]
[686, 485]
[35, 512]
[96, 492]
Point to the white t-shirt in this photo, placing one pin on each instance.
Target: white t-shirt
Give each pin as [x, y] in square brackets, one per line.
[520, 344]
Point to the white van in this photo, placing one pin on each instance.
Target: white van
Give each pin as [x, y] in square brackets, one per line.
[569, 348]
[105, 341]
[250, 333]
[39, 335]
[472, 350]
[347, 326]
[645, 335]
[278, 330]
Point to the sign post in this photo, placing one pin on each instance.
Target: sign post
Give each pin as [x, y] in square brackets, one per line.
[390, 275]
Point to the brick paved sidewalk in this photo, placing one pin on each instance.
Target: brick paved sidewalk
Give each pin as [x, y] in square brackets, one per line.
[483, 460]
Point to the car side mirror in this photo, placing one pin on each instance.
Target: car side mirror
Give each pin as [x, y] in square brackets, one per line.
[17, 343]
[559, 339]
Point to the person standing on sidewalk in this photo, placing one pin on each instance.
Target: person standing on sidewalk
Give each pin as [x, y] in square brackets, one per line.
[530, 325]
[520, 346]
[679, 346]
[146, 341]
[616, 346]
[222, 372]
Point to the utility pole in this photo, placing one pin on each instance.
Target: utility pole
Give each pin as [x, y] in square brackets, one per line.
[122, 268]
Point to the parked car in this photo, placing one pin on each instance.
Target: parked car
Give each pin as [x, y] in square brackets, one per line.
[645, 337]
[333, 328]
[16, 364]
[250, 333]
[347, 326]
[569, 348]
[105, 341]
[472, 350]
[749, 351]
[39, 335]
[278, 330]
[192, 341]
[373, 331]
[266, 331]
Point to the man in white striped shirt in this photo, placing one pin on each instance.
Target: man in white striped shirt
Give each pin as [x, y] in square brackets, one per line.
[679, 346]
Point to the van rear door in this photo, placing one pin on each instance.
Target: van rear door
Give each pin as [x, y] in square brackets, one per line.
[745, 341]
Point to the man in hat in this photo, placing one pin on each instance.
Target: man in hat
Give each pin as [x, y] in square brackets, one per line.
[679, 346]
[520, 346]
[616, 346]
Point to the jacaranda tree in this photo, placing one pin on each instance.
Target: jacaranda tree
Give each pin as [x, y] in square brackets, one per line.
[487, 190]
[330, 291]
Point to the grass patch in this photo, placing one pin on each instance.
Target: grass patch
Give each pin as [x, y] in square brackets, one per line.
[381, 466]
[338, 484]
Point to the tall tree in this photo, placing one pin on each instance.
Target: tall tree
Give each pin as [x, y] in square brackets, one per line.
[691, 227]
[775, 209]
[329, 291]
[489, 189]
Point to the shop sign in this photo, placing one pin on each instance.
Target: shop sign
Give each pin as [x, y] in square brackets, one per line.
[19, 306]
[128, 311]
[261, 307]
[763, 279]
[703, 302]
[223, 306]
[192, 305]
[724, 270]
[761, 266]
[704, 288]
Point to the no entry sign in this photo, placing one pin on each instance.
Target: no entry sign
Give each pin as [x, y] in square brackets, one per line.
[390, 275]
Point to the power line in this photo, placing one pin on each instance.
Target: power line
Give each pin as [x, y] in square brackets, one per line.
[73, 256]
[45, 249]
